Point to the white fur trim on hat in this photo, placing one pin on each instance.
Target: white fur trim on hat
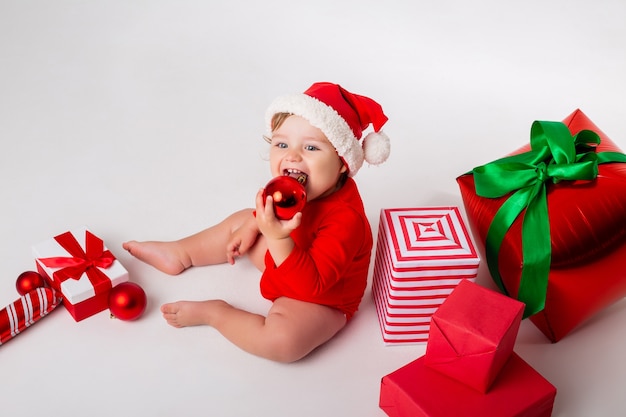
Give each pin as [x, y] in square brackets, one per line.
[324, 118]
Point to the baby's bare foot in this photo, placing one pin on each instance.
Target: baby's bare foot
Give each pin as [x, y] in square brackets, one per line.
[164, 256]
[191, 313]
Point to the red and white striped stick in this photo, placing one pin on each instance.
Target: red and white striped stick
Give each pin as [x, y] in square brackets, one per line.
[26, 310]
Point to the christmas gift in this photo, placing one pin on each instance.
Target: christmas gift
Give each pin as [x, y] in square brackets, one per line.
[26, 311]
[472, 335]
[422, 254]
[549, 219]
[79, 266]
[416, 390]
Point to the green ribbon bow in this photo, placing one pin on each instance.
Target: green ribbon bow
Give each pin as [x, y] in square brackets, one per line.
[555, 156]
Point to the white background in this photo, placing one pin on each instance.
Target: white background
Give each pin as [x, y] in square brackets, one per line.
[143, 120]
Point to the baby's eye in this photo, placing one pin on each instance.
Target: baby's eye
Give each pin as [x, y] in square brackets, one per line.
[281, 145]
[311, 148]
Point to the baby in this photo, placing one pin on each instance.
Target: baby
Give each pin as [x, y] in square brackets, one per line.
[314, 266]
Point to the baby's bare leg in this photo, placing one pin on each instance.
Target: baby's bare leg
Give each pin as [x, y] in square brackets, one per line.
[207, 247]
[291, 330]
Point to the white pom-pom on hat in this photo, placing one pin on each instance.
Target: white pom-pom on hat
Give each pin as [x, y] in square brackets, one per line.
[342, 116]
[376, 147]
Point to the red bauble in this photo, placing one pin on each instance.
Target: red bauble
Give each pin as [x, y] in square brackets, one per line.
[127, 301]
[288, 194]
[28, 281]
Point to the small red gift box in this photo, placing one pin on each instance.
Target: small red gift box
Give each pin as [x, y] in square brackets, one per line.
[572, 223]
[421, 256]
[416, 390]
[472, 335]
[81, 268]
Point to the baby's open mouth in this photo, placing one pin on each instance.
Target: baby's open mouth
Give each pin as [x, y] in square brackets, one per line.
[300, 176]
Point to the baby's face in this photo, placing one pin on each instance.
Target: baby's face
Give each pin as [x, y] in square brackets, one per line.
[301, 150]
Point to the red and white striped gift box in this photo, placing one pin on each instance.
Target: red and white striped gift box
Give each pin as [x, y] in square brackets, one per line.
[422, 254]
[25, 311]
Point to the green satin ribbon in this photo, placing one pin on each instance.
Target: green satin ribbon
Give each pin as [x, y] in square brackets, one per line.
[555, 155]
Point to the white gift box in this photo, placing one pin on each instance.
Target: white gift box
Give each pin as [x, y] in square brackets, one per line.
[93, 269]
[422, 254]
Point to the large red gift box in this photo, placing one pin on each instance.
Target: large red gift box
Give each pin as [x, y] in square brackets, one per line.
[580, 252]
[422, 254]
[472, 335]
[416, 390]
[78, 265]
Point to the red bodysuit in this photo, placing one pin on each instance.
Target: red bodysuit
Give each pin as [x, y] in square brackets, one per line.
[330, 260]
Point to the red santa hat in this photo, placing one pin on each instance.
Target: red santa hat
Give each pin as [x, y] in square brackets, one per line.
[342, 117]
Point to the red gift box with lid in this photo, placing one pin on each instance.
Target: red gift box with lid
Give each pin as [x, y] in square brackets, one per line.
[421, 256]
[585, 242]
[416, 390]
[472, 335]
[79, 266]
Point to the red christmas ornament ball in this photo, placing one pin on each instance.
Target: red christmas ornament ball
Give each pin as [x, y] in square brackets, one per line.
[288, 194]
[127, 301]
[28, 281]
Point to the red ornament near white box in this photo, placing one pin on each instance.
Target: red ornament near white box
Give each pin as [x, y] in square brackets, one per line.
[422, 254]
[81, 268]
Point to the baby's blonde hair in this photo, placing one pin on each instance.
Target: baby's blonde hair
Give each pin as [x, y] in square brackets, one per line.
[278, 119]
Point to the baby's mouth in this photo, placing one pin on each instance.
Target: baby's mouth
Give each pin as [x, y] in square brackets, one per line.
[300, 176]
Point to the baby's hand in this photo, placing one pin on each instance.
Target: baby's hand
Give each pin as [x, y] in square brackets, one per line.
[269, 225]
[241, 240]
[232, 249]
